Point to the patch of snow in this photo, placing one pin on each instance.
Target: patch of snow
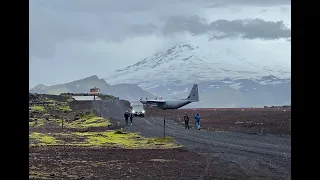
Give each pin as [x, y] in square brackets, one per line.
[236, 86]
[188, 64]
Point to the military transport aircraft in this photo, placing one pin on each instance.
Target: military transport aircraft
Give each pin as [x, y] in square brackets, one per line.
[174, 104]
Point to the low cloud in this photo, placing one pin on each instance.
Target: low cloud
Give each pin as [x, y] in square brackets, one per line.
[59, 21]
[245, 28]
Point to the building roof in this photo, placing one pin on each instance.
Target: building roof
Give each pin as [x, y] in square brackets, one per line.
[85, 98]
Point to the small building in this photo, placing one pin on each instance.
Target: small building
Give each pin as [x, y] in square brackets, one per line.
[95, 90]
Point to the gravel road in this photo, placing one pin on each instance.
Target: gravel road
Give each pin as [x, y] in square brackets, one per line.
[259, 156]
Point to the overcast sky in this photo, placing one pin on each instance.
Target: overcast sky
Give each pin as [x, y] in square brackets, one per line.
[73, 39]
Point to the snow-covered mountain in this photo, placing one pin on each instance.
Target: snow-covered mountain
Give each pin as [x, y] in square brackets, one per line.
[220, 75]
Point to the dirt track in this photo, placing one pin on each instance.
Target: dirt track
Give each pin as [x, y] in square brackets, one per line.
[256, 156]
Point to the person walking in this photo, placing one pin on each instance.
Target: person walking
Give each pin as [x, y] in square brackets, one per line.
[186, 120]
[131, 117]
[126, 116]
[197, 118]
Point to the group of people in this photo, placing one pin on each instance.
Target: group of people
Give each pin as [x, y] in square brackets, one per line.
[186, 120]
[197, 118]
[128, 115]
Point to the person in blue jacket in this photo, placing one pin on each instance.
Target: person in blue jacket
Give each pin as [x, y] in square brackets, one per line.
[197, 118]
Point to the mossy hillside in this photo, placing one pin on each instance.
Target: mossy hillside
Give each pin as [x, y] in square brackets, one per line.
[39, 175]
[36, 122]
[106, 139]
[84, 122]
[52, 106]
[36, 108]
[42, 121]
[59, 106]
[31, 123]
[44, 139]
[88, 121]
[126, 140]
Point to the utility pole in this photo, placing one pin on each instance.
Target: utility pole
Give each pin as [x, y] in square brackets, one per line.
[164, 127]
[164, 124]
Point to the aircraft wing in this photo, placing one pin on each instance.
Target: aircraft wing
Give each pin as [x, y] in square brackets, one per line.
[153, 102]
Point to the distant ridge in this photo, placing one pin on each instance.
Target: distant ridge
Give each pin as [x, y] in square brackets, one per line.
[123, 91]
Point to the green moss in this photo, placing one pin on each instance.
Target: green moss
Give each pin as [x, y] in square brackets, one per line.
[64, 108]
[43, 138]
[37, 108]
[59, 106]
[88, 121]
[39, 175]
[119, 131]
[110, 139]
[97, 140]
[37, 123]
[126, 140]
[51, 101]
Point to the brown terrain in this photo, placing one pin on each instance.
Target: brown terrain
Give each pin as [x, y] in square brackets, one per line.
[65, 143]
[243, 120]
[62, 162]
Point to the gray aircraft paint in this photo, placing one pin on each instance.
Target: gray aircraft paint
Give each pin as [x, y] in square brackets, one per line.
[175, 104]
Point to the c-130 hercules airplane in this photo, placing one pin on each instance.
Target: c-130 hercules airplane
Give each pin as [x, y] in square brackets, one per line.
[174, 104]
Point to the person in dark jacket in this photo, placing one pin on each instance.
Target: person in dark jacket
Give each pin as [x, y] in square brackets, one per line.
[197, 118]
[131, 117]
[186, 120]
[126, 116]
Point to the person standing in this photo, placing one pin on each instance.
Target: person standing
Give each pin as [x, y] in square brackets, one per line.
[126, 116]
[197, 118]
[131, 117]
[186, 120]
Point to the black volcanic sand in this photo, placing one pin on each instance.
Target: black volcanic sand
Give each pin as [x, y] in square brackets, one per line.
[62, 162]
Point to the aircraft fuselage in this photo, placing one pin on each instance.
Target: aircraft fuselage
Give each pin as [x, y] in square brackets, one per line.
[173, 104]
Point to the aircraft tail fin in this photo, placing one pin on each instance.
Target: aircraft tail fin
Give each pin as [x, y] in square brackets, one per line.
[194, 94]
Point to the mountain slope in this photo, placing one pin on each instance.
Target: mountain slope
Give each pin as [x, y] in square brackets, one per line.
[225, 78]
[124, 91]
[183, 64]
